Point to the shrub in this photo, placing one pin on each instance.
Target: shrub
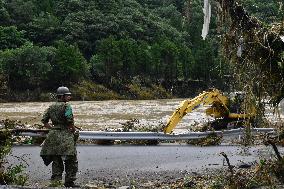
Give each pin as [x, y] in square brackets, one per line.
[13, 174]
[87, 90]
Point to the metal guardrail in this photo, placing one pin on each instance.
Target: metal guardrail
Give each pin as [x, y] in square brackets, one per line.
[102, 135]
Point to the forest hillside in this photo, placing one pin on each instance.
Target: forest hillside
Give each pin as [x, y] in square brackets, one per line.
[114, 49]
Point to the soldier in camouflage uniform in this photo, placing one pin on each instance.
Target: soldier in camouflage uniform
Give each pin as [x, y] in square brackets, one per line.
[59, 145]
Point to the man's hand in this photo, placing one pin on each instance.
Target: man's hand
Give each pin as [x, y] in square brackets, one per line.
[78, 128]
[47, 125]
[72, 128]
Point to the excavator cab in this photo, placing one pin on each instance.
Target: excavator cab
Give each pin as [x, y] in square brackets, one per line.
[220, 109]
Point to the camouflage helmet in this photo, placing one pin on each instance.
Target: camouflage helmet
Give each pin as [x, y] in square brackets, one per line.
[62, 91]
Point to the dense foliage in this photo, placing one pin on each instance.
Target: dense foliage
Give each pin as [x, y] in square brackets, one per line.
[47, 43]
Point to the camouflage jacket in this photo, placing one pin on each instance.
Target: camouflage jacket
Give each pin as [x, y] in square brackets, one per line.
[59, 141]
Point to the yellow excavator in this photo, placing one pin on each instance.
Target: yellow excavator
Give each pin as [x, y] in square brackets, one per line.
[219, 109]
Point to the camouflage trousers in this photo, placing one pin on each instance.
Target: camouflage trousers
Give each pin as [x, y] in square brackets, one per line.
[71, 168]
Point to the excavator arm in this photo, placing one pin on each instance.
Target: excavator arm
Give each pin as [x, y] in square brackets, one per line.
[218, 109]
[215, 97]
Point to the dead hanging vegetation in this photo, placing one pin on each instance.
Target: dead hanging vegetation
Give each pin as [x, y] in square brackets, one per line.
[255, 52]
[9, 174]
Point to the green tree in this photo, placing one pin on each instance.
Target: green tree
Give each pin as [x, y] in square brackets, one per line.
[204, 62]
[187, 61]
[26, 67]
[86, 28]
[128, 56]
[10, 37]
[44, 29]
[157, 62]
[69, 65]
[45, 6]
[4, 14]
[108, 6]
[3, 81]
[173, 16]
[21, 12]
[169, 59]
[108, 58]
[267, 11]
[144, 61]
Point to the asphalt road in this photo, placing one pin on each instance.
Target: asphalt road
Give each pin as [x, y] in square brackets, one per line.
[130, 162]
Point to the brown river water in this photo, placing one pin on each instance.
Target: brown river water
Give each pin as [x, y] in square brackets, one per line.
[99, 115]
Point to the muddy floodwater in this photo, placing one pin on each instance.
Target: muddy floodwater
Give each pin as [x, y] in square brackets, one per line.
[98, 115]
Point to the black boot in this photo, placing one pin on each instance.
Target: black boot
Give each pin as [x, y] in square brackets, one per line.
[71, 185]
